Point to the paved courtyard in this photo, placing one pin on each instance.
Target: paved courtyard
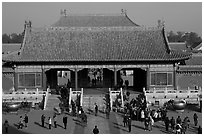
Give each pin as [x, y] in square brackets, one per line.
[114, 125]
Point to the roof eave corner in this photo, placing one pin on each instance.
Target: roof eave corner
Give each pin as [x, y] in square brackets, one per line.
[166, 40]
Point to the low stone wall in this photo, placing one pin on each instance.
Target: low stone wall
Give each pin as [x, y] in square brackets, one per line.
[159, 97]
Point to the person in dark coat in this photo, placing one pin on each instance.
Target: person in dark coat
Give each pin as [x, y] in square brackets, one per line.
[96, 109]
[166, 121]
[129, 124]
[65, 122]
[125, 118]
[173, 123]
[96, 130]
[195, 118]
[146, 123]
[178, 120]
[199, 130]
[55, 120]
[107, 113]
[6, 125]
[20, 126]
[26, 120]
[43, 120]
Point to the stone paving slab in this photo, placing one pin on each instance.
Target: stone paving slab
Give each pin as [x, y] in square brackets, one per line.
[113, 125]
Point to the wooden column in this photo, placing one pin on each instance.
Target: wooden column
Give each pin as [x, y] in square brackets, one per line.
[76, 79]
[15, 81]
[115, 77]
[44, 80]
[174, 78]
[148, 78]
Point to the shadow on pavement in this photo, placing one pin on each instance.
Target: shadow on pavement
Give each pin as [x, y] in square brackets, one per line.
[138, 127]
[193, 107]
[166, 132]
[13, 130]
[39, 125]
[59, 126]
[117, 127]
[118, 124]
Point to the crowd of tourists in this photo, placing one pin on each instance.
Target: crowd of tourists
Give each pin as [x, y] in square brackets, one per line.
[137, 110]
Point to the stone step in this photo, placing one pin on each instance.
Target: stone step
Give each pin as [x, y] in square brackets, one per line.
[53, 102]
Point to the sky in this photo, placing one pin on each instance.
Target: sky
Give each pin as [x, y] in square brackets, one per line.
[178, 16]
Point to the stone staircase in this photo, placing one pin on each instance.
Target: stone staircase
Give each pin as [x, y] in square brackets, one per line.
[53, 102]
[90, 100]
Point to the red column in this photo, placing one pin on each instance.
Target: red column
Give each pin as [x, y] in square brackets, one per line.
[115, 77]
[15, 81]
[44, 80]
[174, 78]
[148, 79]
[76, 79]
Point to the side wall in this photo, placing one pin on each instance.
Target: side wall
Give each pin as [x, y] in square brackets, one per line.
[193, 80]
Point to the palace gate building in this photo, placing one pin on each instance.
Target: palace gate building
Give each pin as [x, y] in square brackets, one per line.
[79, 43]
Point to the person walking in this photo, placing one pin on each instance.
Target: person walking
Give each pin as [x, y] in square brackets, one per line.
[187, 121]
[166, 121]
[199, 130]
[129, 124]
[142, 115]
[172, 122]
[125, 120]
[65, 121]
[146, 123]
[55, 120]
[195, 118]
[26, 120]
[50, 122]
[151, 123]
[183, 127]
[6, 125]
[96, 130]
[96, 109]
[20, 126]
[178, 120]
[178, 128]
[43, 120]
[107, 113]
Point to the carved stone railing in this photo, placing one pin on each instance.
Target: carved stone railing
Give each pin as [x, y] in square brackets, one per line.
[73, 95]
[23, 95]
[113, 97]
[167, 94]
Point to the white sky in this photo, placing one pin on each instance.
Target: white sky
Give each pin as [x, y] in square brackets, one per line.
[178, 16]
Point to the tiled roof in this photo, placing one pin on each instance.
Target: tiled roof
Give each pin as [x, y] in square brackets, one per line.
[7, 70]
[195, 60]
[94, 21]
[8, 48]
[96, 44]
[181, 46]
[199, 47]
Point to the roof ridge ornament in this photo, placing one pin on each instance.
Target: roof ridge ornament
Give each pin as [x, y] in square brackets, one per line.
[63, 12]
[123, 11]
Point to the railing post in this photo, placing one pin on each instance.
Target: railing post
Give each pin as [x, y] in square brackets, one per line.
[111, 103]
[188, 92]
[81, 102]
[154, 92]
[121, 91]
[177, 93]
[46, 98]
[70, 95]
[165, 92]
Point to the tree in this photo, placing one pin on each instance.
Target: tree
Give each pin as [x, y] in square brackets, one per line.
[6, 38]
[191, 38]
[13, 38]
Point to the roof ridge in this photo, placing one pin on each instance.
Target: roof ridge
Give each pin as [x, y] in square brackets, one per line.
[118, 28]
[94, 14]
